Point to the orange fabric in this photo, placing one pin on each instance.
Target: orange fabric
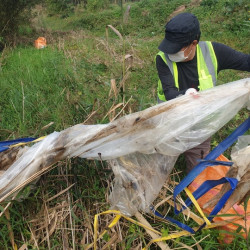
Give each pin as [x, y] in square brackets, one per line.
[215, 173]
[40, 43]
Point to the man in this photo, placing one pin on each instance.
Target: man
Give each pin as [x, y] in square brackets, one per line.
[186, 66]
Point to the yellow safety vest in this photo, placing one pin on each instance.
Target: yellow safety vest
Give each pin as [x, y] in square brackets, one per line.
[206, 64]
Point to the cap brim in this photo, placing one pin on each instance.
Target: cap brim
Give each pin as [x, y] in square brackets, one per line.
[170, 47]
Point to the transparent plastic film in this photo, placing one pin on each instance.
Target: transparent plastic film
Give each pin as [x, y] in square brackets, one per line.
[138, 180]
[155, 135]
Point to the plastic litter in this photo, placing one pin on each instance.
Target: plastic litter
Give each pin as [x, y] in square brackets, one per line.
[241, 171]
[40, 43]
[235, 211]
[141, 147]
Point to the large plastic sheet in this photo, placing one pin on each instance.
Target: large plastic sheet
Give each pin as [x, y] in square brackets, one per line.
[141, 147]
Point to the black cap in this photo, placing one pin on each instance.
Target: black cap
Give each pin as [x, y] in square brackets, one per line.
[180, 31]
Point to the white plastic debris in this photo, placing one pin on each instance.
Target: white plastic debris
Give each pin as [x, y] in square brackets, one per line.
[141, 147]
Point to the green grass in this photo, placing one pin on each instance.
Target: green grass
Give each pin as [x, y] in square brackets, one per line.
[70, 79]
[34, 84]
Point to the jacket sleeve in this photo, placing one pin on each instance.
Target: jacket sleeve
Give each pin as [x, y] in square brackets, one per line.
[229, 58]
[167, 80]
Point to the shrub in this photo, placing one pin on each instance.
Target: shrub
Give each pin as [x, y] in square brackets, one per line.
[13, 13]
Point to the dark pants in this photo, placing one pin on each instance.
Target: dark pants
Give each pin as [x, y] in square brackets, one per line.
[198, 152]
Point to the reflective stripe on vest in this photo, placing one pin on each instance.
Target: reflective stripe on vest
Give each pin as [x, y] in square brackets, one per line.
[206, 66]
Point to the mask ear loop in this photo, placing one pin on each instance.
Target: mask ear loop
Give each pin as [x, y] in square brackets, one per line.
[189, 52]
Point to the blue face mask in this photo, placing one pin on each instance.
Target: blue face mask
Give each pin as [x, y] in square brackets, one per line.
[179, 56]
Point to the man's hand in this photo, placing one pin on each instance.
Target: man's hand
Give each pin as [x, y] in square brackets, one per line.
[193, 92]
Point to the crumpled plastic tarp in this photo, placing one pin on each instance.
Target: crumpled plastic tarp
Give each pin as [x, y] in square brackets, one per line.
[40, 43]
[142, 147]
[240, 170]
[239, 213]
